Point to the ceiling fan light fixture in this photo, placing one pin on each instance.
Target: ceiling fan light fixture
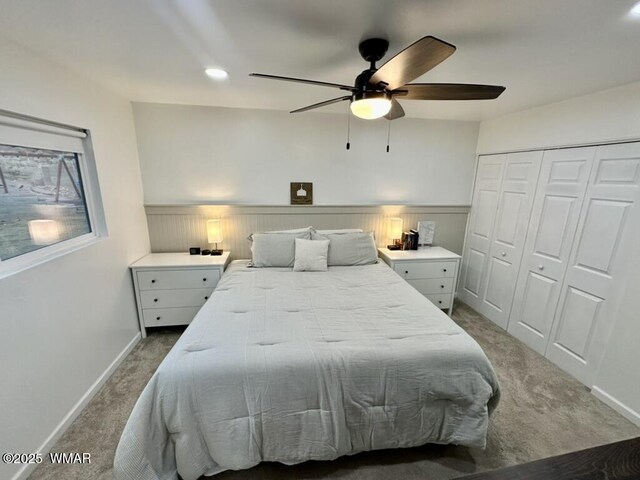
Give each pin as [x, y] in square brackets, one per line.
[370, 105]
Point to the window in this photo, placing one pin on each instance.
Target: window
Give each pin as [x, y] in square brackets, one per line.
[42, 199]
[49, 196]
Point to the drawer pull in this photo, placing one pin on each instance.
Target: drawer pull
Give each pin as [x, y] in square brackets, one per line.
[504, 254]
[406, 272]
[444, 269]
[153, 281]
[204, 279]
[157, 318]
[441, 286]
[540, 267]
[439, 301]
[206, 298]
[155, 299]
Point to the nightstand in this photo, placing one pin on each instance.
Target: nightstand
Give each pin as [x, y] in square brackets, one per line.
[433, 271]
[170, 288]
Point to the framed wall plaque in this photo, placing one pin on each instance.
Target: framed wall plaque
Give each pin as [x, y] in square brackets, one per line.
[301, 193]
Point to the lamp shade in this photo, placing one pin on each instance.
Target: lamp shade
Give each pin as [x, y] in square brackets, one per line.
[370, 105]
[371, 108]
[44, 232]
[214, 231]
[395, 228]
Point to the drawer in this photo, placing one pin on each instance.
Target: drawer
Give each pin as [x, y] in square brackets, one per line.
[440, 301]
[175, 298]
[176, 279]
[161, 317]
[412, 270]
[432, 285]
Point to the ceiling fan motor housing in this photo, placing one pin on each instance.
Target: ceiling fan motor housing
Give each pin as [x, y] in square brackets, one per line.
[362, 80]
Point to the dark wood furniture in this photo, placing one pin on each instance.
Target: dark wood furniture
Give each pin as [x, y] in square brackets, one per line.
[616, 461]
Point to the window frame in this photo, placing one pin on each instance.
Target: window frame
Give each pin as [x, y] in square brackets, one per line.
[90, 186]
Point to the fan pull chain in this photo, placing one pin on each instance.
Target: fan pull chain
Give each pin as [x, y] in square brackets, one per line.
[348, 129]
[388, 135]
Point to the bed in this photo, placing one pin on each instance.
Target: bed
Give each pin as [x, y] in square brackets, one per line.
[293, 366]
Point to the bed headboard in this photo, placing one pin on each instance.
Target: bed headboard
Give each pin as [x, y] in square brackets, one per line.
[174, 228]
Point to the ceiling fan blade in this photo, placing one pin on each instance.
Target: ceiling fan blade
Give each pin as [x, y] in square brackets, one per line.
[412, 62]
[396, 110]
[449, 91]
[302, 80]
[322, 104]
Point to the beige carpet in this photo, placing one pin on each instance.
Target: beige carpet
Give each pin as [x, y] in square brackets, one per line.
[543, 412]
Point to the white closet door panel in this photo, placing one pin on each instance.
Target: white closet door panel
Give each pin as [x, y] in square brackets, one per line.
[556, 209]
[599, 240]
[475, 260]
[554, 233]
[576, 322]
[539, 291]
[506, 246]
[481, 224]
[608, 222]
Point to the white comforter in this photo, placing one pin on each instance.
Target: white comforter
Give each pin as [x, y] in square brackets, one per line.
[292, 366]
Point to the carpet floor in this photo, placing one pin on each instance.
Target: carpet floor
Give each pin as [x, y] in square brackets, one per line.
[543, 412]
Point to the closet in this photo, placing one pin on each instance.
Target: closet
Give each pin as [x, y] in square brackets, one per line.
[556, 289]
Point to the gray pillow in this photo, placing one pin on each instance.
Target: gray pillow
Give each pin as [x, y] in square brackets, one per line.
[275, 249]
[295, 230]
[350, 248]
[338, 230]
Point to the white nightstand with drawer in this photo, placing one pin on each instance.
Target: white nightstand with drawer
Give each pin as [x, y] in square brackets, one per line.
[433, 271]
[170, 288]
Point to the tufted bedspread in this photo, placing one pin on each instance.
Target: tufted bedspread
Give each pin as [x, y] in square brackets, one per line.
[292, 366]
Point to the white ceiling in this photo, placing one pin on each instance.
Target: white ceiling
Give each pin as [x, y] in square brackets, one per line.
[155, 50]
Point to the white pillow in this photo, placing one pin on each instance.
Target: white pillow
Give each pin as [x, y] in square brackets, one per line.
[339, 230]
[311, 255]
[350, 248]
[275, 249]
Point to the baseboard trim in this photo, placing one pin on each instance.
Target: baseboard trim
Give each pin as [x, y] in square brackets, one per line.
[62, 427]
[616, 404]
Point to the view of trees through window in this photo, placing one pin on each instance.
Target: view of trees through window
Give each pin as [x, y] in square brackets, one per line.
[42, 199]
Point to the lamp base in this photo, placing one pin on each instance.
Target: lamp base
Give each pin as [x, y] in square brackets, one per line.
[216, 252]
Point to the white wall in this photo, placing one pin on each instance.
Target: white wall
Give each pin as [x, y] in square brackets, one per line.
[604, 116]
[64, 322]
[241, 156]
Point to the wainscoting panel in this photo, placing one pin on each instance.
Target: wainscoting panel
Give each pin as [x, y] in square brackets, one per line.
[175, 228]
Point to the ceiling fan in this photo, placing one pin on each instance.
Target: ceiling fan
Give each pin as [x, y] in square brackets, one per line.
[376, 89]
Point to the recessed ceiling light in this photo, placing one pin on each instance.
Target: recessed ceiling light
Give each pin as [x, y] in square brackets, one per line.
[635, 10]
[216, 73]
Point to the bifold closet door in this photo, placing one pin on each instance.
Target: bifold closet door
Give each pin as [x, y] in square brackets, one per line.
[505, 186]
[556, 209]
[512, 220]
[480, 229]
[607, 228]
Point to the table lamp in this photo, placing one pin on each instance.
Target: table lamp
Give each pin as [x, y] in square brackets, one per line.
[395, 233]
[214, 233]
